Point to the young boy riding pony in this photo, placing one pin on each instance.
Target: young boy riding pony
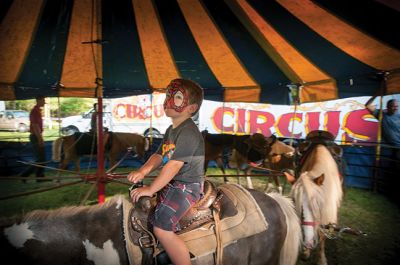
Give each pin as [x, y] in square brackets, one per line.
[180, 181]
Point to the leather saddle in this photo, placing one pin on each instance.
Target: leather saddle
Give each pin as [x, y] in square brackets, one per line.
[201, 213]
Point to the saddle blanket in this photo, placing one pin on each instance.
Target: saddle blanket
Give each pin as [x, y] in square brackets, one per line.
[249, 220]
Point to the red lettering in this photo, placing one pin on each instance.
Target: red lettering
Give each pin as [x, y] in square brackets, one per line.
[261, 122]
[218, 120]
[357, 127]
[158, 111]
[312, 121]
[331, 122]
[241, 121]
[282, 127]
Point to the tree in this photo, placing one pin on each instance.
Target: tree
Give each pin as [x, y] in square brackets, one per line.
[64, 106]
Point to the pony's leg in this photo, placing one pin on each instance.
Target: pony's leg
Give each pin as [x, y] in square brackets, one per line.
[277, 184]
[249, 182]
[322, 257]
[268, 186]
[220, 164]
[238, 173]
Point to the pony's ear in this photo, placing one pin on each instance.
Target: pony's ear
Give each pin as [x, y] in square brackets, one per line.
[319, 180]
[271, 140]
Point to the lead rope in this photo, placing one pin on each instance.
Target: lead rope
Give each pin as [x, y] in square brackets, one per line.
[218, 233]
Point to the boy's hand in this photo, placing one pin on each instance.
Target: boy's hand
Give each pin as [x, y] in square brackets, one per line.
[135, 176]
[140, 192]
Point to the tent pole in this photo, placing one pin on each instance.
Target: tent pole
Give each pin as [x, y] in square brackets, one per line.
[294, 92]
[100, 152]
[379, 134]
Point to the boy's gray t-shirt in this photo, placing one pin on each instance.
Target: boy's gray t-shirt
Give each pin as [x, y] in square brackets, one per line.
[184, 143]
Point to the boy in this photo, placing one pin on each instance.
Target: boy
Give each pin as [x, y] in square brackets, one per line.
[181, 179]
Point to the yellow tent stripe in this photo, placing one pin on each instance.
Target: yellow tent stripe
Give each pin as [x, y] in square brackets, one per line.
[350, 40]
[295, 66]
[219, 56]
[17, 31]
[159, 62]
[79, 72]
[393, 83]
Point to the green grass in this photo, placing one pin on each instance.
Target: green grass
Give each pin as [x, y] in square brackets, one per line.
[370, 212]
[48, 135]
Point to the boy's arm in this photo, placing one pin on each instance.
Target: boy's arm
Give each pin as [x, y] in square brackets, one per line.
[168, 172]
[152, 163]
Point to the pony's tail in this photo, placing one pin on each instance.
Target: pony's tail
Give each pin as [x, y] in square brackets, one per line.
[291, 246]
[56, 148]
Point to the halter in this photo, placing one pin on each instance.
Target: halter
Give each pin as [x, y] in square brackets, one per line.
[308, 223]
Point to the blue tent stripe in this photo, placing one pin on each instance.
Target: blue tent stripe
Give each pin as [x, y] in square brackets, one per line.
[322, 53]
[4, 6]
[264, 71]
[42, 69]
[124, 72]
[386, 20]
[189, 60]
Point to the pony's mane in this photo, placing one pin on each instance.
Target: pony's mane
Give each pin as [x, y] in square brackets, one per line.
[68, 211]
[324, 200]
[305, 188]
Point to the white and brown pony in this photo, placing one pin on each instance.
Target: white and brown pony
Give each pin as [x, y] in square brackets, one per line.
[74, 146]
[317, 194]
[96, 235]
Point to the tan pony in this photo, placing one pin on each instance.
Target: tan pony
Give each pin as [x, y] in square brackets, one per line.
[277, 157]
[317, 192]
[115, 144]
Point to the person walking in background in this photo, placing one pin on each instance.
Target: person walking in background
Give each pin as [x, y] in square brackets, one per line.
[390, 122]
[36, 139]
[180, 182]
[391, 136]
[93, 121]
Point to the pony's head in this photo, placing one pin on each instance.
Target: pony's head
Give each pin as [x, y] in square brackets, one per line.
[307, 194]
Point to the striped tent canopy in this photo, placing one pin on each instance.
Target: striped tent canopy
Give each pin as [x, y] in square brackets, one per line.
[237, 50]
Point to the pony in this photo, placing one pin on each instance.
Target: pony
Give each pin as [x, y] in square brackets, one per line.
[249, 148]
[80, 144]
[214, 146]
[250, 153]
[317, 192]
[280, 158]
[96, 235]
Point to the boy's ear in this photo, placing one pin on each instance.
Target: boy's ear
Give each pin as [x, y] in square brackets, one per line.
[193, 107]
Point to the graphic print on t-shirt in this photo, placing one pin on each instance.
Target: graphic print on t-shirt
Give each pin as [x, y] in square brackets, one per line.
[168, 149]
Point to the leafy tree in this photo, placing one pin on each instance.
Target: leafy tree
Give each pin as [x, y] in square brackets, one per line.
[74, 106]
[64, 106]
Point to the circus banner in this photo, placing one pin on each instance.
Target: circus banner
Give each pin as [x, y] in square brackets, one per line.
[347, 119]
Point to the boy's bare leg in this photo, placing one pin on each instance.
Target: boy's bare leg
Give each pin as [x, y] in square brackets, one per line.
[175, 247]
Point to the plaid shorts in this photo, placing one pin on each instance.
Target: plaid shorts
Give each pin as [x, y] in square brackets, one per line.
[173, 201]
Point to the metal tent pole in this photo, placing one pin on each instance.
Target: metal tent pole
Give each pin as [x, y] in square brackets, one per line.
[101, 188]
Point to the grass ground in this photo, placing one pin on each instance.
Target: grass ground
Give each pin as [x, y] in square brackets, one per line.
[48, 135]
[370, 212]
